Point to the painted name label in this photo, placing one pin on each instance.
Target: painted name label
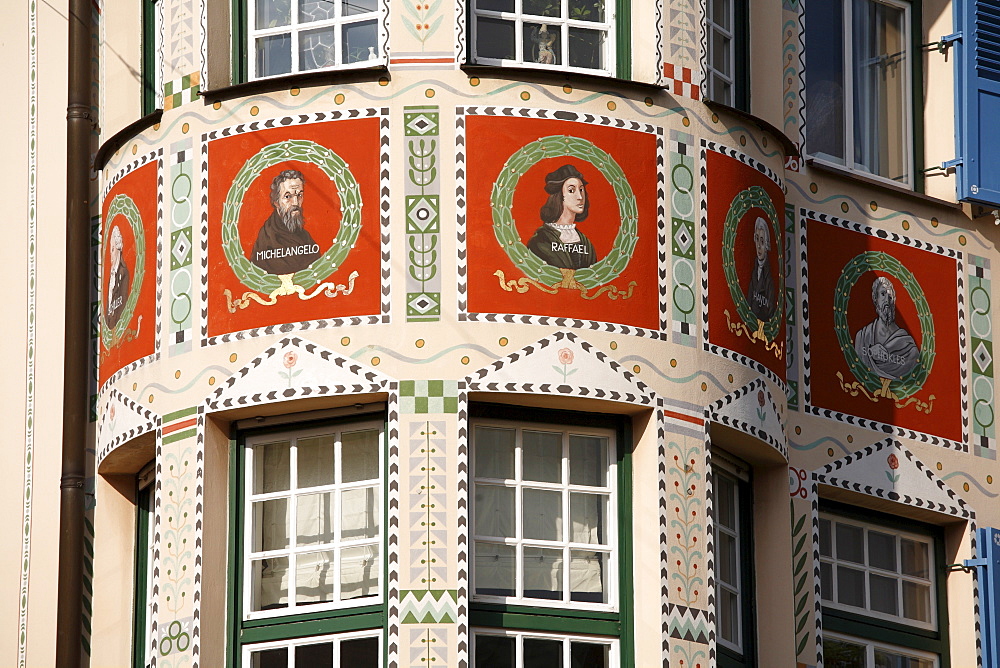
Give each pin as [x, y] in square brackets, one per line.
[286, 251]
[880, 354]
[568, 248]
[114, 304]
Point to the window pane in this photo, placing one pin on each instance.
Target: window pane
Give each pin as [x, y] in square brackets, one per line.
[586, 10]
[494, 507]
[825, 65]
[316, 10]
[543, 573]
[495, 5]
[495, 651]
[494, 572]
[541, 7]
[916, 601]
[270, 525]
[881, 551]
[494, 453]
[494, 38]
[359, 455]
[725, 499]
[314, 577]
[273, 13]
[840, 654]
[269, 583]
[588, 460]
[315, 461]
[729, 611]
[884, 594]
[270, 658]
[825, 538]
[886, 659]
[541, 44]
[542, 514]
[589, 655]
[850, 586]
[586, 48]
[274, 55]
[540, 653]
[588, 576]
[542, 456]
[318, 655]
[728, 560]
[359, 571]
[359, 653]
[359, 513]
[721, 90]
[352, 7]
[587, 513]
[271, 467]
[914, 558]
[721, 13]
[826, 580]
[314, 519]
[850, 543]
[360, 42]
[720, 50]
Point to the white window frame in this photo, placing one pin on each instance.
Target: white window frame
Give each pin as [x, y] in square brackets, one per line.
[848, 73]
[614, 658]
[611, 490]
[518, 17]
[291, 494]
[723, 466]
[336, 638]
[711, 27]
[872, 645]
[898, 575]
[295, 27]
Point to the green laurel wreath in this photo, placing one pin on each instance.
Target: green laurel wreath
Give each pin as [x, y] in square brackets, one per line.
[123, 205]
[752, 197]
[605, 269]
[333, 166]
[853, 270]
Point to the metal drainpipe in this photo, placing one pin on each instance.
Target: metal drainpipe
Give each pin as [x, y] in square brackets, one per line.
[79, 124]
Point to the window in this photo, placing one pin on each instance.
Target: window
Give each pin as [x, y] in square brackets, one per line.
[152, 71]
[309, 512]
[550, 520]
[290, 36]
[728, 53]
[859, 65]
[554, 34]
[734, 586]
[882, 591]
[142, 652]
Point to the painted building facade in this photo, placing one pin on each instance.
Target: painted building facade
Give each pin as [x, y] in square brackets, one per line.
[515, 332]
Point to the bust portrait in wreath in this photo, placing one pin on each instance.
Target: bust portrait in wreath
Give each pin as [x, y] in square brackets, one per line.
[558, 242]
[760, 291]
[283, 245]
[887, 349]
[119, 280]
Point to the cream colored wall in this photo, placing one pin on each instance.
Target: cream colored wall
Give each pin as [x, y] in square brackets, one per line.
[121, 63]
[939, 100]
[766, 67]
[646, 538]
[216, 551]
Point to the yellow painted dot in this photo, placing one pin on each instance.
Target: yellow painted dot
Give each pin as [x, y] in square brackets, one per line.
[673, 363]
[503, 341]
[611, 105]
[185, 128]
[474, 81]
[567, 89]
[233, 357]
[135, 386]
[614, 345]
[743, 140]
[844, 207]
[383, 81]
[648, 101]
[525, 95]
[177, 374]
[704, 387]
[813, 188]
[935, 222]
[294, 91]
[636, 368]
[429, 92]
[763, 141]
[216, 105]
[965, 486]
[151, 398]
[730, 378]
[465, 359]
[906, 224]
[940, 466]
[211, 380]
[798, 430]
[376, 361]
[156, 127]
[685, 121]
[135, 149]
[419, 343]
[989, 480]
[254, 110]
[873, 205]
[339, 98]
[346, 341]
[850, 439]
[961, 239]
[715, 118]
[829, 452]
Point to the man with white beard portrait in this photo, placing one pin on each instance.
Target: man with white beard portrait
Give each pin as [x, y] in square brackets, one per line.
[119, 281]
[283, 245]
[883, 346]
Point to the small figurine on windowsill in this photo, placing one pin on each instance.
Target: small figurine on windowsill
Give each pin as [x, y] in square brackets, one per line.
[544, 40]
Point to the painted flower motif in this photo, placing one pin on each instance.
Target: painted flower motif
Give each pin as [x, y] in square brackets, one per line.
[290, 359]
[112, 415]
[565, 356]
[893, 462]
[760, 398]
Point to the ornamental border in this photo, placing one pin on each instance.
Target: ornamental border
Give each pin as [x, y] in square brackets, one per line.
[152, 422]
[804, 215]
[149, 158]
[707, 346]
[383, 317]
[461, 158]
[712, 415]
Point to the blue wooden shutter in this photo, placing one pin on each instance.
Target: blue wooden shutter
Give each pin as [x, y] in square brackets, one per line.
[988, 567]
[977, 98]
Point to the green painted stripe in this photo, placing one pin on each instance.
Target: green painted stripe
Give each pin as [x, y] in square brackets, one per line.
[170, 417]
[179, 436]
[424, 106]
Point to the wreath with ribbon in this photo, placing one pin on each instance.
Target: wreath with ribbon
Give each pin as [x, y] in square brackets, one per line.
[853, 270]
[333, 166]
[752, 197]
[604, 270]
[122, 205]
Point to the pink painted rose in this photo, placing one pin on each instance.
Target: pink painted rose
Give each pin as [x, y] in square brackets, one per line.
[893, 462]
[290, 359]
[565, 356]
[760, 398]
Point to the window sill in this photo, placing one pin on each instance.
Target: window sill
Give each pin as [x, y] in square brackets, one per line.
[843, 172]
[521, 73]
[120, 138]
[791, 150]
[286, 81]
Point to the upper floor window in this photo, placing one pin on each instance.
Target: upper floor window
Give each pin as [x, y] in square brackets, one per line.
[290, 36]
[552, 34]
[728, 53]
[152, 65]
[859, 69]
[734, 584]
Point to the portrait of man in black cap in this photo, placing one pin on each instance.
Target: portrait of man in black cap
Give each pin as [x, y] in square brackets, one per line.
[558, 242]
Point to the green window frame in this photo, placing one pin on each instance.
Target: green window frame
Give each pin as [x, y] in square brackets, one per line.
[141, 638]
[333, 623]
[565, 620]
[735, 587]
[152, 84]
[872, 628]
